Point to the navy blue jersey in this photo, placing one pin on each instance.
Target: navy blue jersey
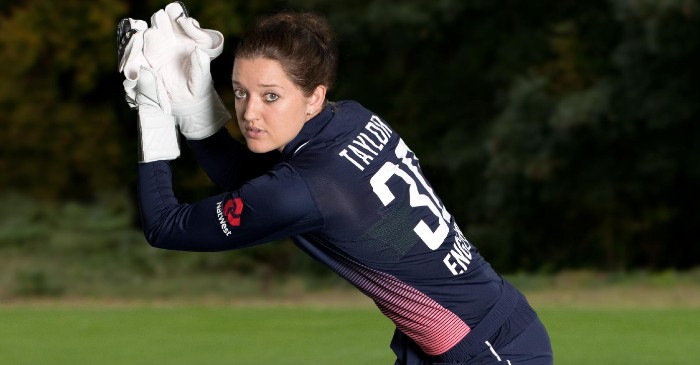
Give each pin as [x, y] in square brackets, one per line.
[350, 193]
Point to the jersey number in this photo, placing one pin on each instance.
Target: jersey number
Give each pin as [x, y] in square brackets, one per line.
[431, 236]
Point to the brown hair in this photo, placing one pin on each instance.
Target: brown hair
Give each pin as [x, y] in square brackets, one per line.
[301, 42]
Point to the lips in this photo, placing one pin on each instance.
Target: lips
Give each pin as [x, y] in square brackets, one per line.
[253, 132]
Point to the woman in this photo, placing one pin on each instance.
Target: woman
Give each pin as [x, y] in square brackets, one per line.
[333, 176]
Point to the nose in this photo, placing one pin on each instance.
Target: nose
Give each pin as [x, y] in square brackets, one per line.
[251, 109]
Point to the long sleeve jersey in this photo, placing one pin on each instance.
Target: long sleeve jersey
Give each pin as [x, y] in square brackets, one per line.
[350, 193]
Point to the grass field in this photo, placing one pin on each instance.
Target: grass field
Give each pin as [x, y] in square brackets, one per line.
[592, 319]
[601, 326]
[624, 336]
[207, 335]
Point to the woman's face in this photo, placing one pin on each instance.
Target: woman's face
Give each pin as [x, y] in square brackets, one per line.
[270, 108]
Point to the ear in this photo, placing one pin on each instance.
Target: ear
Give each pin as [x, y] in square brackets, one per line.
[315, 100]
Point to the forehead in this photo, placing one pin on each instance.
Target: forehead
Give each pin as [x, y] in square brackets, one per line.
[259, 71]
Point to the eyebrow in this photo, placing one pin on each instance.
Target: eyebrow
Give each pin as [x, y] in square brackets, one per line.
[260, 85]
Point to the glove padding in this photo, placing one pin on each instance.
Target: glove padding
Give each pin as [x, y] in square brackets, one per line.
[157, 130]
[144, 91]
[130, 58]
[180, 52]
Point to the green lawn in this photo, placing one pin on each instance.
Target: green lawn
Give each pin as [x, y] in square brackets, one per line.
[624, 336]
[193, 335]
[248, 334]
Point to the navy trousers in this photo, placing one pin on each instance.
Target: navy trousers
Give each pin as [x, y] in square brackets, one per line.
[511, 344]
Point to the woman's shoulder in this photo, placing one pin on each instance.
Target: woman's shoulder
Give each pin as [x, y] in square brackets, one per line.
[349, 108]
[347, 119]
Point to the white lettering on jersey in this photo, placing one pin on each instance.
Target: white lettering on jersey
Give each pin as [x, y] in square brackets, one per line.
[460, 256]
[432, 232]
[433, 237]
[366, 145]
[365, 158]
[222, 220]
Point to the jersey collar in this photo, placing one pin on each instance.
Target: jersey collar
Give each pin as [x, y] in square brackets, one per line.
[310, 129]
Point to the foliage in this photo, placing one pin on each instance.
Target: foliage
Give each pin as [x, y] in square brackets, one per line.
[558, 133]
[598, 169]
[77, 249]
[61, 135]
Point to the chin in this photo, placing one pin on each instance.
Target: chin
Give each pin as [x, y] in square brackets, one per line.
[259, 147]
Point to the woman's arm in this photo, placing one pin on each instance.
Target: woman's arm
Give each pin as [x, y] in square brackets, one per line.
[272, 206]
[229, 163]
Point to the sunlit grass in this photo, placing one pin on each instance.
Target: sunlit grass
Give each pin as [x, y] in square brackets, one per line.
[624, 336]
[193, 335]
[302, 333]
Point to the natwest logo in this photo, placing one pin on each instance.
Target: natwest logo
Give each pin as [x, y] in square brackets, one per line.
[233, 209]
[229, 214]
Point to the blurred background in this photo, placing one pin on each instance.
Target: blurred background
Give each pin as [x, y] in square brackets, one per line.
[562, 135]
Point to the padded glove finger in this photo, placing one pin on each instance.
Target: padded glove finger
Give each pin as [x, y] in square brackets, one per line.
[205, 115]
[130, 56]
[138, 92]
[208, 40]
[180, 52]
[126, 29]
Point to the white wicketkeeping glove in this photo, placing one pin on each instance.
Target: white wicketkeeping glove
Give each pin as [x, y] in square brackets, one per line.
[130, 55]
[180, 52]
[144, 91]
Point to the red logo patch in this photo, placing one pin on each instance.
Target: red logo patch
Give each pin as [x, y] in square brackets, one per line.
[233, 209]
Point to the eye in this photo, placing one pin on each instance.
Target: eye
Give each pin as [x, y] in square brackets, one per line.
[239, 93]
[271, 97]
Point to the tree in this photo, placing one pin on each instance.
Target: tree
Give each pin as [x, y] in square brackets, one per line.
[558, 127]
[62, 136]
[593, 157]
